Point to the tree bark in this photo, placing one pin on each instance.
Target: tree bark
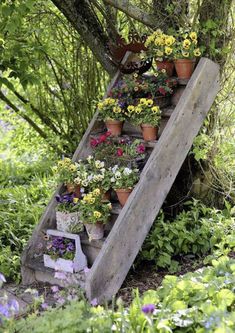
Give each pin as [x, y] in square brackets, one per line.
[80, 14]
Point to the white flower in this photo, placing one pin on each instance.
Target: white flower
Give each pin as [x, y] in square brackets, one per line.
[118, 175]
[100, 177]
[85, 183]
[102, 170]
[89, 178]
[89, 158]
[114, 169]
[127, 171]
[112, 180]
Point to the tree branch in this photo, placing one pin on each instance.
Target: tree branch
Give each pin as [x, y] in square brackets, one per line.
[133, 11]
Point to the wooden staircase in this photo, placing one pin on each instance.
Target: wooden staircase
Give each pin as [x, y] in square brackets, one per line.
[112, 257]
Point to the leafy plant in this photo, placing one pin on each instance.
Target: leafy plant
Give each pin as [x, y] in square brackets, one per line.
[160, 45]
[145, 112]
[60, 247]
[110, 108]
[123, 177]
[186, 45]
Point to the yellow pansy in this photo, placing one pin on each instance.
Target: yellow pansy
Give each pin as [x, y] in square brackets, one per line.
[169, 40]
[97, 214]
[185, 54]
[142, 101]
[117, 109]
[75, 200]
[193, 35]
[72, 168]
[159, 41]
[100, 105]
[186, 43]
[168, 50]
[149, 102]
[197, 52]
[159, 53]
[131, 108]
[96, 192]
[138, 109]
[155, 109]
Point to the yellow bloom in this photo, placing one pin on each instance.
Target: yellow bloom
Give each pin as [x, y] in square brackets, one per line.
[75, 200]
[186, 43]
[72, 168]
[138, 109]
[100, 105]
[117, 109]
[130, 108]
[185, 54]
[169, 40]
[142, 101]
[197, 53]
[168, 50]
[159, 41]
[97, 214]
[96, 192]
[159, 53]
[156, 109]
[149, 102]
[193, 35]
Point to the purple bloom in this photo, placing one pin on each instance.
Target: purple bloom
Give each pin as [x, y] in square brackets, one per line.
[94, 302]
[61, 300]
[54, 289]
[4, 310]
[14, 306]
[44, 306]
[140, 149]
[148, 308]
[2, 278]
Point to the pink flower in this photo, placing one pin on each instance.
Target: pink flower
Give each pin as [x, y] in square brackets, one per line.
[140, 149]
[119, 152]
[108, 133]
[102, 138]
[94, 143]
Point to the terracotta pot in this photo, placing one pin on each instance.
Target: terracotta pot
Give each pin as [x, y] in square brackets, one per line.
[107, 195]
[149, 132]
[72, 188]
[123, 195]
[95, 231]
[114, 126]
[167, 65]
[184, 68]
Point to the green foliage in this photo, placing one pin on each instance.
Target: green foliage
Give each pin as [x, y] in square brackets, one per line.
[198, 231]
[202, 302]
[24, 192]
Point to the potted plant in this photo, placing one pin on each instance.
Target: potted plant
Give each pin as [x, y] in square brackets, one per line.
[113, 115]
[63, 252]
[160, 47]
[148, 116]
[124, 180]
[67, 214]
[185, 52]
[65, 172]
[94, 213]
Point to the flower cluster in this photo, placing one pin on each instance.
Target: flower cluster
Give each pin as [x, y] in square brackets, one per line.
[186, 45]
[65, 170]
[67, 203]
[60, 247]
[8, 308]
[110, 108]
[93, 208]
[145, 112]
[121, 151]
[160, 45]
[124, 177]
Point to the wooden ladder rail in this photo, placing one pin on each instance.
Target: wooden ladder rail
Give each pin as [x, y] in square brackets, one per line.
[47, 220]
[136, 218]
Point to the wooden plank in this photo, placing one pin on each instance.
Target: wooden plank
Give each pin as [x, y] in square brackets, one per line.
[47, 220]
[136, 218]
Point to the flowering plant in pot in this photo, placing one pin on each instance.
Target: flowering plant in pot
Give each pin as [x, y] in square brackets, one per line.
[94, 213]
[123, 151]
[185, 51]
[67, 214]
[123, 181]
[65, 172]
[160, 46]
[148, 116]
[113, 114]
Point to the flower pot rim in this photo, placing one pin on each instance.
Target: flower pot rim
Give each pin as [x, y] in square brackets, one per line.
[185, 60]
[113, 121]
[124, 189]
[148, 125]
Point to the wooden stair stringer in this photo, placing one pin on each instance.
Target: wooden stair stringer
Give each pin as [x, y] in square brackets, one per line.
[48, 218]
[136, 218]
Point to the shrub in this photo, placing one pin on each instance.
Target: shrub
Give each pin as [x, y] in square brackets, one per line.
[198, 231]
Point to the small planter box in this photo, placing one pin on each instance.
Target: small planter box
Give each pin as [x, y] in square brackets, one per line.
[71, 266]
[69, 222]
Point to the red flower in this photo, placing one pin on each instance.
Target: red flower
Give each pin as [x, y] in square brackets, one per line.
[102, 138]
[94, 143]
[140, 149]
[162, 91]
[119, 152]
[108, 133]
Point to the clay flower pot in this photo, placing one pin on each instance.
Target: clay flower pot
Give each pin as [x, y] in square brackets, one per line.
[184, 68]
[72, 188]
[167, 65]
[123, 195]
[149, 132]
[114, 127]
[95, 231]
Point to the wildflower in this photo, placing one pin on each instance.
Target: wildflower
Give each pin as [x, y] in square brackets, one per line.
[155, 109]
[130, 108]
[169, 40]
[138, 110]
[149, 102]
[148, 308]
[142, 101]
[197, 53]
[96, 192]
[185, 54]
[119, 152]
